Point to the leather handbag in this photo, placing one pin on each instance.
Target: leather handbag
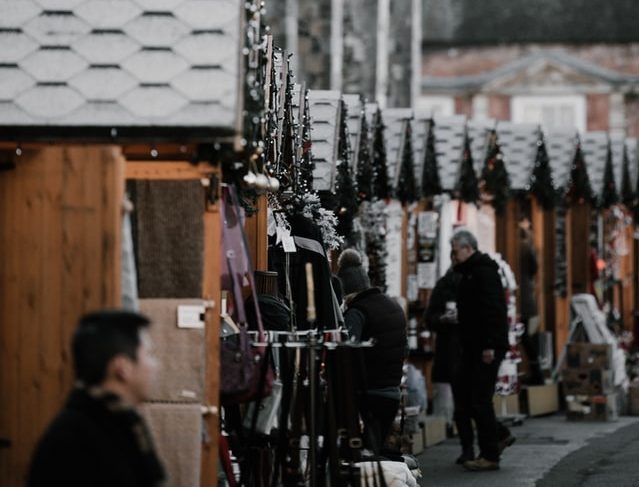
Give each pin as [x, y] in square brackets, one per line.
[245, 372]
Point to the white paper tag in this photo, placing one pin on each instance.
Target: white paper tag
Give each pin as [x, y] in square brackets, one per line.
[190, 316]
[289, 244]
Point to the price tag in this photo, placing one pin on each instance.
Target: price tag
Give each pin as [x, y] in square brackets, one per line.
[289, 244]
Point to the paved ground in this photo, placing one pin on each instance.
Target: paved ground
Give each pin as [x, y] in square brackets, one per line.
[544, 443]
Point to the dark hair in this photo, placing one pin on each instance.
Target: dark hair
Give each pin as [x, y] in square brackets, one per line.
[102, 335]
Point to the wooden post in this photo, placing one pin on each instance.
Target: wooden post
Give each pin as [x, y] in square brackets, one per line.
[562, 303]
[628, 280]
[256, 234]
[507, 239]
[538, 220]
[211, 291]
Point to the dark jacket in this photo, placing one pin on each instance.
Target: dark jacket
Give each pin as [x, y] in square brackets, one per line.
[447, 346]
[481, 305]
[310, 248]
[384, 320]
[94, 443]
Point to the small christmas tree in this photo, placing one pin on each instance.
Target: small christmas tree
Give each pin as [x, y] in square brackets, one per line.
[627, 193]
[431, 184]
[305, 173]
[345, 190]
[381, 187]
[609, 194]
[405, 190]
[495, 179]
[579, 189]
[365, 171]
[374, 223]
[541, 183]
[467, 187]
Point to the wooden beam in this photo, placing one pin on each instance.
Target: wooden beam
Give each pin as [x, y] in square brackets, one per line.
[169, 170]
[212, 292]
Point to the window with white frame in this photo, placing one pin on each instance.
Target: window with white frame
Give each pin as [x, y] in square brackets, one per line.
[436, 105]
[550, 111]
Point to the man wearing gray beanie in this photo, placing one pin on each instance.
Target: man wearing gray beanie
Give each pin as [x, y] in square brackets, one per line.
[372, 314]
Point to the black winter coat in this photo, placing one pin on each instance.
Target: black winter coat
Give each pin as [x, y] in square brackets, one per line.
[481, 305]
[447, 345]
[88, 444]
[384, 320]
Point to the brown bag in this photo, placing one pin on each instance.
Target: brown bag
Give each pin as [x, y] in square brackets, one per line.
[245, 371]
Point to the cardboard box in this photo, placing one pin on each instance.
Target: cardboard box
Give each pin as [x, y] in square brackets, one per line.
[506, 405]
[417, 443]
[588, 356]
[540, 400]
[591, 408]
[434, 430]
[587, 382]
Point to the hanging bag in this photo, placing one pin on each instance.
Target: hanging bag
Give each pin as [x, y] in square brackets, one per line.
[245, 373]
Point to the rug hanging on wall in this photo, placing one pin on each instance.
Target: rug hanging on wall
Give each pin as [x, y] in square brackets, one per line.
[169, 237]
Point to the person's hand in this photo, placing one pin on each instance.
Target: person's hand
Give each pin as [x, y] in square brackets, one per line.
[488, 356]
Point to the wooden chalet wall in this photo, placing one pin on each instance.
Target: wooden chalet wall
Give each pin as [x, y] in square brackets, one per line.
[59, 257]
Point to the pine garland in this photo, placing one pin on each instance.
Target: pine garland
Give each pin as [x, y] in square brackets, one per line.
[345, 190]
[365, 173]
[431, 184]
[405, 190]
[579, 189]
[627, 193]
[495, 179]
[541, 183]
[381, 188]
[374, 223]
[467, 187]
[305, 175]
[609, 194]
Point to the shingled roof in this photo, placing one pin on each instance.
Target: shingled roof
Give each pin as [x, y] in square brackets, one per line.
[98, 65]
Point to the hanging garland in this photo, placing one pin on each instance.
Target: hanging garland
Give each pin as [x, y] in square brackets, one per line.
[405, 190]
[307, 165]
[467, 187]
[495, 179]
[609, 194]
[579, 189]
[431, 184]
[364, 163]
[381, 188]
[541, 183]
[374, 224]
[345, 190]
[627, 193]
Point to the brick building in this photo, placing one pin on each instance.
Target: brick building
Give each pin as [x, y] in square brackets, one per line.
[561, 63]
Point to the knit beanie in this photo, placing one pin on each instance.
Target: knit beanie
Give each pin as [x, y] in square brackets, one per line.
[353, 276]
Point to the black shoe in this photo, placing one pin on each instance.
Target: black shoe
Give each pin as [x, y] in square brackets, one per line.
[505, 443]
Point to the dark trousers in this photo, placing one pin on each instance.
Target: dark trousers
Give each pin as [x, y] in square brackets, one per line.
[379, 416]
[473, 390]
